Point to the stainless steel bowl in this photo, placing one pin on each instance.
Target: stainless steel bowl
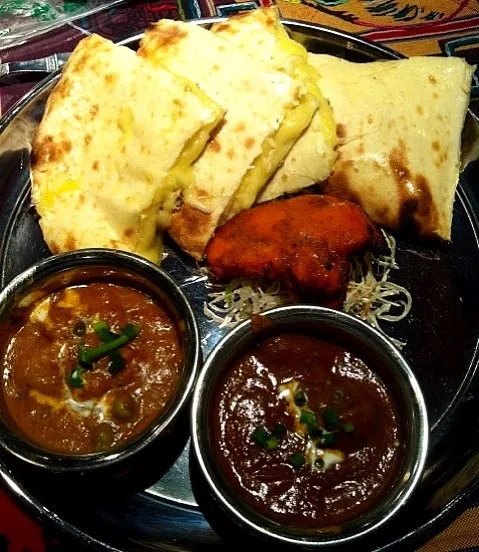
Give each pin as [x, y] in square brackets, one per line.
[78, 267]
[382, 356]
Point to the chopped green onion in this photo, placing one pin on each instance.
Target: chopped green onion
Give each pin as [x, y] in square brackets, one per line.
[75, 378]
[297, 460]
[307, 417]
[315, 431]
[82, 360]
[330, 418]
[260, 435]
[129, 332]
[279, 430]
[319, 463]
[117, 362]
[348, 427]
[104, 333]
[79, 329]
[300, 398]
[271, 443]
[328, 439]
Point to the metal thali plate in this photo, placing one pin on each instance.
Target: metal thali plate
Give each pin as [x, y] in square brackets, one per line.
[163, 508]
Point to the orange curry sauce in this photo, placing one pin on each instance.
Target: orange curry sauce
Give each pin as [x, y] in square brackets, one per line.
[42, 350]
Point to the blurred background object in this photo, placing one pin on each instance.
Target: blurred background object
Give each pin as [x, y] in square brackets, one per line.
[21, 20]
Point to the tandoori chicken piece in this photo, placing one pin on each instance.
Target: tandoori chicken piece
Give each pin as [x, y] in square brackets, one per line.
[304, 242]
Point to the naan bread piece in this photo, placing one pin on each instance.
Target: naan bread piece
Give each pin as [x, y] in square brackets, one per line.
[399, 126]
[266, 112]
[260, 34]
[113, 149]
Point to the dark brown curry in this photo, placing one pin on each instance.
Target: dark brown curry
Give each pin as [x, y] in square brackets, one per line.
[305, 432]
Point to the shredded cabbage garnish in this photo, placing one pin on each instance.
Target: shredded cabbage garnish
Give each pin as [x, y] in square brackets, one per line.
[371, 296]
[242, 298]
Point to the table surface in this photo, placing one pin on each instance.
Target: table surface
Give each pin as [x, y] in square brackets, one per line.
[445, 27]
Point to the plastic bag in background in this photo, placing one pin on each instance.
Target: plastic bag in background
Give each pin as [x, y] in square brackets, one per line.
[21, 20]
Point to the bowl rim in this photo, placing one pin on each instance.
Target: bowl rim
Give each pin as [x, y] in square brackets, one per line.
[127, 264]
[309, 314]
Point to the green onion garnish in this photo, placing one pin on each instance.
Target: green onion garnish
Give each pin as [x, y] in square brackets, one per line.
[104, 333]
[300, 398]
[330, 418]
[328, 439]
[279, 430]
[271, 443]
[260, 435]
[348, 427]
[307, 417]
[315, 431]
[297, 460]
[117, 362]
[75, 378]
[128, 333]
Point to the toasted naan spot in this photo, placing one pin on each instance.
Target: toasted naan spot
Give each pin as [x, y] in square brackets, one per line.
[129, 232]
[203, 194]
[95, 165]
[111, 78]
[87, 139]
[215, 146]
[48, 150]
[432, 79]
[231, 153]
[341, 131]
[226, 27]
[360, 148]
[398, 165]
[249, 142]
[94, 110]
[436, 146]
[70, 243]
[240, 127]
[419, 109]
[185, 229]
[168, 36]
[370, 119]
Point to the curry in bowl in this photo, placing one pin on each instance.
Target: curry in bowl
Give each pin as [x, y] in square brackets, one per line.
[309, 426]
[93, 357]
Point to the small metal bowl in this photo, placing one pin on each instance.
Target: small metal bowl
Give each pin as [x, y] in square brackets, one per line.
[381, 356]
[88, 265]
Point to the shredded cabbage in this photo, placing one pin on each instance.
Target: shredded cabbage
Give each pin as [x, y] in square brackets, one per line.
[371, 296]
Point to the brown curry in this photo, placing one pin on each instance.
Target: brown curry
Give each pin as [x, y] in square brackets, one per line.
[305, 432]
[89, 367]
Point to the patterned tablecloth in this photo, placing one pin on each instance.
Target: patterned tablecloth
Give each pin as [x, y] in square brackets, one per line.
[422, 27]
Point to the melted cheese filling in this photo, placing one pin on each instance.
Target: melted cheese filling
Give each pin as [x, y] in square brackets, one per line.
[274, 150]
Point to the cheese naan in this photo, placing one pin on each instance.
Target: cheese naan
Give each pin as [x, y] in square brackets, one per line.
[261, 34]
[114, 148]
[266, 112]
[399, 127]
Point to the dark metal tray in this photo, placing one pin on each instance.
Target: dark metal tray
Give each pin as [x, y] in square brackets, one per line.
[442, 334]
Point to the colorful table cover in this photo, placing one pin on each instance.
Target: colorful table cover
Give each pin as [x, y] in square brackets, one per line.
[427, 27]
